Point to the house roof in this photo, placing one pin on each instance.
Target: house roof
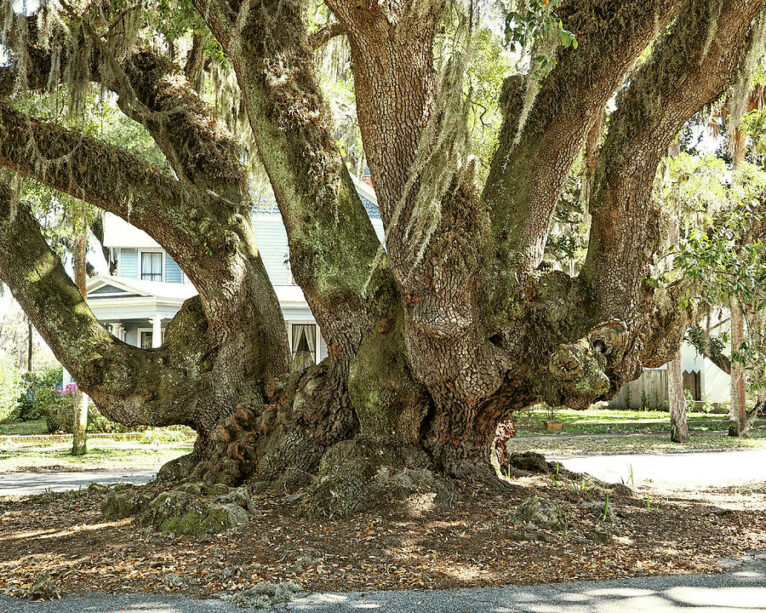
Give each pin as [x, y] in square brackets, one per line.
[268, 206]
[105, 286]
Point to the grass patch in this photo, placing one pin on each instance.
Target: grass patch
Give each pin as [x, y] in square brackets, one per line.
[102, 453]
[19, 428]
[608, 421]
[638, 443]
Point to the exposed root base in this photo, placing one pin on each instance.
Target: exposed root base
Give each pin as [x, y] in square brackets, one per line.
[351, 476]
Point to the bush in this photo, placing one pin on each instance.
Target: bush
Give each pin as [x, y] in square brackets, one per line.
[34, 382]
[10, 388]
[98, 423]
[55, 407]
[58, 409]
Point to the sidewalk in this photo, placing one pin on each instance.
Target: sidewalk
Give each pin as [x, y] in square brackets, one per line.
[673, 470]
[31, 483]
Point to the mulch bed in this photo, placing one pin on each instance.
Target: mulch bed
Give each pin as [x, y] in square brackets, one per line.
[63, 539]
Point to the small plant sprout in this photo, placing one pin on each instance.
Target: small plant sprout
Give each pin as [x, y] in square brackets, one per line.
[605, 514]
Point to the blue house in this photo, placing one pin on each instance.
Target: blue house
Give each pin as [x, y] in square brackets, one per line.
[148, 288]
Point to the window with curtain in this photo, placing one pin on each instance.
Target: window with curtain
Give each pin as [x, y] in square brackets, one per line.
[304, 345]
[151, 266]
[146, 340]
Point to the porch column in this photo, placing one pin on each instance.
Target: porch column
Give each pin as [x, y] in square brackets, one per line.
[156, 331]
[117, 330]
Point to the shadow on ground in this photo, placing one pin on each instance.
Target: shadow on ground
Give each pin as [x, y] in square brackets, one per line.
[741, 589]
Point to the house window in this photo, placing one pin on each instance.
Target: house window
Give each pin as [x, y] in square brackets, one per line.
[151, 266]
[304, 345]
[146, 340]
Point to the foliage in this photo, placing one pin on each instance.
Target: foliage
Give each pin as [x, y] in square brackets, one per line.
[14, 336]
[489, 65]
[10, 386]
[718, 252]
[529, 22]
[33, 382]
[57, 407]
[54, 406]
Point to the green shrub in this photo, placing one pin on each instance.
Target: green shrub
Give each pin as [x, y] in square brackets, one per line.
[55, 407]
[99, 423]
[58, 409]
[10, 388]
[34, 382]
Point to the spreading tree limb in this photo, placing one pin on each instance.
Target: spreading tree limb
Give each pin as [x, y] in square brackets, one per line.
[542, 134]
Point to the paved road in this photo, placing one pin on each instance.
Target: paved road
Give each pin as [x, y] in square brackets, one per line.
[741, 589]
[659, 470]
[30, 483]
[675, 470]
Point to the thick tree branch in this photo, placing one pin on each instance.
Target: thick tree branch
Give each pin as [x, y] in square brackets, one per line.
[395, 85]
[199, 148]
[121, 379]
[201, 219]
[531, 164]
[332, 243]
[195, 63]
[325, 34]
[625, 230]
[153, 91]
[95, 172]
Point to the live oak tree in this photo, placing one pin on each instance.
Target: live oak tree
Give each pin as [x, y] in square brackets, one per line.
[435, 340]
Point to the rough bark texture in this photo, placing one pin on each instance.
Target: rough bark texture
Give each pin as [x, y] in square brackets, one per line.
[679, 429]
[738, 413]
[434, 343]
[80, 421]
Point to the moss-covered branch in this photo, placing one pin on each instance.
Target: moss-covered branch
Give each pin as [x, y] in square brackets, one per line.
[105, 176]
[132, 386]
[625, 233]
[202, 152]
[542, 134]
[333, 246]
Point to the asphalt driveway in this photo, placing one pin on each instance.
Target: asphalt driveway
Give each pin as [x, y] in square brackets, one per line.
[682, 470]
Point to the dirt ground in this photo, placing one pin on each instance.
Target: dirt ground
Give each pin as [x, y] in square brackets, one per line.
[63, 542]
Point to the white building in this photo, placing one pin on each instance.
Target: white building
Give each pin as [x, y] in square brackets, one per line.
[705, 381]
[148, 287]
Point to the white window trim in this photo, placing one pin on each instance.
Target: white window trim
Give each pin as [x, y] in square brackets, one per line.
[150, 331]
[162, 262]
[290, 323]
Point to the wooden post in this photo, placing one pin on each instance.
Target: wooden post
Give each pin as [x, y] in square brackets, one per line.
[679, 429]
[738, 414]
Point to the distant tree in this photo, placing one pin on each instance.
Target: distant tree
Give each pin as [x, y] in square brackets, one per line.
[10, 387]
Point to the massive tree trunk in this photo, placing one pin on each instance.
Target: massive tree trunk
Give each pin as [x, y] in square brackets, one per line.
[433, 342]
